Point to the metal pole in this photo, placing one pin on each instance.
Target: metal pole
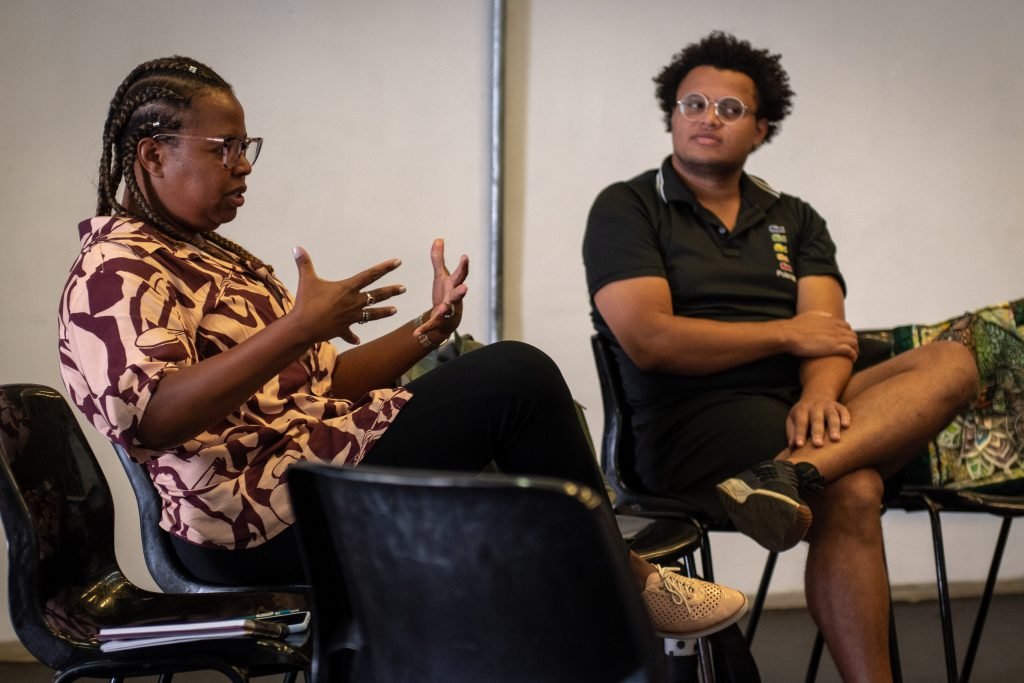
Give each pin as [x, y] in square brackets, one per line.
[497, 225]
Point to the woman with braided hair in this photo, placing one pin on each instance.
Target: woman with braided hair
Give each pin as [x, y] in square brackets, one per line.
[185, 349]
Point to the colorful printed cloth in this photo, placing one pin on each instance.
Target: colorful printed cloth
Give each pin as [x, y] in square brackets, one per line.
[983, 448]
[137, 306]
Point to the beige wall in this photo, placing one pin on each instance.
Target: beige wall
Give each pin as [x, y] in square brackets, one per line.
[905, 135]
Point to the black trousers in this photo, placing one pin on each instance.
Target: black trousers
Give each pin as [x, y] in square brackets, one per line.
[506, 402]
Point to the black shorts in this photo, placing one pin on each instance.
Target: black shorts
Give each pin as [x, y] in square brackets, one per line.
[695, 444]
[687, 451]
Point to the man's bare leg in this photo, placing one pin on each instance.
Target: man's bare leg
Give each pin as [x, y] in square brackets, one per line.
[895, 407]
[845, 578]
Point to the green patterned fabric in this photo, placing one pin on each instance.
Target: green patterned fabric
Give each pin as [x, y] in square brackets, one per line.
[983, 448]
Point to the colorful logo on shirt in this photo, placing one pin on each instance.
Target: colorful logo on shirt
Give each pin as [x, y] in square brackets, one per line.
[780, 246]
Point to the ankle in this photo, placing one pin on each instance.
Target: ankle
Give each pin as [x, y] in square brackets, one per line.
[809, 479]
[640, 569]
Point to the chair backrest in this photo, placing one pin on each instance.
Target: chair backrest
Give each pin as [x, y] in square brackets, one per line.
[618, 447]
[618, 457]
[476, 578]
[58, 516]
[161, 560]
[163, 563]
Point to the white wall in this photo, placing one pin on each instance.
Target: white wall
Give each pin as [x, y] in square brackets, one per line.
[905, 135]
[375, 118]
[906, 129]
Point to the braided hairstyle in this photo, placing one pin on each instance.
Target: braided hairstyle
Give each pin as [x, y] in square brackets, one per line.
[153, 99]
[724, 51]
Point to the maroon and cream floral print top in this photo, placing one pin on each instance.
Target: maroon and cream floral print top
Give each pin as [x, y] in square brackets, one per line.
[138, 305]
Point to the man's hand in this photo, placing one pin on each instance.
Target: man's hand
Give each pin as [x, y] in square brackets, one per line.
[816, 333]
[814, 417]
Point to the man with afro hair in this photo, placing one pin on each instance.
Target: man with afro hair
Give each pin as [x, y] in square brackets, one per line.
[723, 303]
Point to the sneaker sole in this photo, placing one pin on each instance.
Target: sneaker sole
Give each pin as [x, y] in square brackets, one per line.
[710, 630]
[775, 521]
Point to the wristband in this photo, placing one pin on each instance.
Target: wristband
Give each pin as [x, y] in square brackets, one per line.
[423, 339]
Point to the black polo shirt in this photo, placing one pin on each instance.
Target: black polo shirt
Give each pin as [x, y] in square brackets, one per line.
[652, 225]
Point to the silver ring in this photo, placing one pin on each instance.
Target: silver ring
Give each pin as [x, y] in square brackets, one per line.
[451, 311]
[366, 317]
[370, 300]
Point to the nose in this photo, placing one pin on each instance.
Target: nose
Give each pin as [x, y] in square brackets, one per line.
[710, 117]
[243, 167]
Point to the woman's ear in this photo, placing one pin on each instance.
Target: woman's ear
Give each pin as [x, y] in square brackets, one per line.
[150, 153]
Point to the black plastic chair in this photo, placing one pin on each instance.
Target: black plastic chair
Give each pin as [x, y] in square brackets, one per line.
[164, 566]
[457, 577]
[618, 460]
[64, 580]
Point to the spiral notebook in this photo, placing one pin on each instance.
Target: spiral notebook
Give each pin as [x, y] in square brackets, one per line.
[267, 625]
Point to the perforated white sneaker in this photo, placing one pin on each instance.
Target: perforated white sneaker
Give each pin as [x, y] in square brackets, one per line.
[681, 607]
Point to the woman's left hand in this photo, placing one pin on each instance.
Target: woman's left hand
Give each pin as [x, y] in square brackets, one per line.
[447, 293]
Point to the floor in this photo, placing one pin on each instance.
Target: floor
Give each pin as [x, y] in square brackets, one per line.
[784, 640]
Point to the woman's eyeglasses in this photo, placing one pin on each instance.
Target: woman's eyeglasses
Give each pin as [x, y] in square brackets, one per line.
[233, 148]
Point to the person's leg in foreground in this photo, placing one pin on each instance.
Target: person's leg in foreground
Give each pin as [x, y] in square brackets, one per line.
[508, 402]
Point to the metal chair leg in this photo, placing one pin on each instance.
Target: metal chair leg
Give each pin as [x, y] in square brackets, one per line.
[762, 592]
[707, 663]
[894, 650]
[705, 556]
[812, 666]
[986, 599]
[945, 609]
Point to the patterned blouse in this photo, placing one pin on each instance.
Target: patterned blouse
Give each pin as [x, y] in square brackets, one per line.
[138, 305]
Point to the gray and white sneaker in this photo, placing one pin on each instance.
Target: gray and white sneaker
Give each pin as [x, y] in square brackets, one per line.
[765, 502]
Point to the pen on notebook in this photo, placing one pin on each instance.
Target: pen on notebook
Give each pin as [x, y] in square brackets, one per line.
[267, 615]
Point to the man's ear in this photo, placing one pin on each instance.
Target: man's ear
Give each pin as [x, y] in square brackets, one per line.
[762, 131]
[150, 153]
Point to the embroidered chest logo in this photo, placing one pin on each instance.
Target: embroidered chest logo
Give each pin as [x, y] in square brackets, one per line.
[780, 246]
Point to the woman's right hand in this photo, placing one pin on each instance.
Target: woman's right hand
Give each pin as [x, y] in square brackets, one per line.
[325, 309]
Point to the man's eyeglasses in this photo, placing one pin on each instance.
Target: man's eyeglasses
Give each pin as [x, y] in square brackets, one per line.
[233, 148]
[694, 106]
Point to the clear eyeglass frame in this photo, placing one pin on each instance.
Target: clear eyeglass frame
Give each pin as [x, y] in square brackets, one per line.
[233, 148]
[694, 106]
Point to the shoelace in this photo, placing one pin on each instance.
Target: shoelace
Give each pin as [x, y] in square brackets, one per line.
[771, 470]
[681, 592]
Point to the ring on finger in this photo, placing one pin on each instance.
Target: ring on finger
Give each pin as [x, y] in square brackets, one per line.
[370, 300]
[366, 317]
[451, 311]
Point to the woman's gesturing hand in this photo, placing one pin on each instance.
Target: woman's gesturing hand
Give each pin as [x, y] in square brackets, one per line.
[447, 293]
[325, 309]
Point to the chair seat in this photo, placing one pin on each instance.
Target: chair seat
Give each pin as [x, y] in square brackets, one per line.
[659, 540]
[976, 501]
